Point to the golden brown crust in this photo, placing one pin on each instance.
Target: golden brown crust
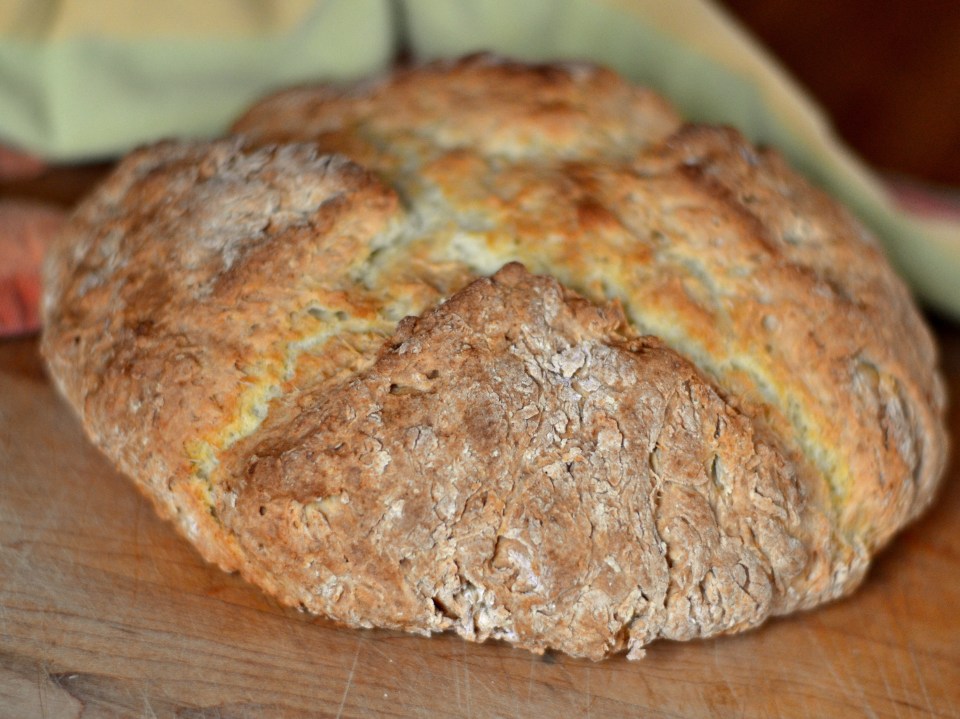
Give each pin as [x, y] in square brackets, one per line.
[512, 466]
[520, 461]
[174, 287]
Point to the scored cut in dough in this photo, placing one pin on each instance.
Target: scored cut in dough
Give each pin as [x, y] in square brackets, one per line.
[702, 399]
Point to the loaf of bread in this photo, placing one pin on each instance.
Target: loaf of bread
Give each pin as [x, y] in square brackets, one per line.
[501, 349]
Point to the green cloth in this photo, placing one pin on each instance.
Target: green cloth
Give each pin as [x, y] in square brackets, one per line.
[86, 97]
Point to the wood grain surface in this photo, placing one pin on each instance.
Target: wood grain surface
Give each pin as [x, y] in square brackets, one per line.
[106, 612]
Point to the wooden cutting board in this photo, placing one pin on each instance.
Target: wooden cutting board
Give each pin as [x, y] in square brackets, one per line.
[106, 612]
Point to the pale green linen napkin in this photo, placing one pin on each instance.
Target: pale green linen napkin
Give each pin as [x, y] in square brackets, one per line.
[70, 90]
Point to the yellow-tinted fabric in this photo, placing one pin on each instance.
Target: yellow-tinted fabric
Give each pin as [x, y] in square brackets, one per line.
[79, 79]
[58, 20]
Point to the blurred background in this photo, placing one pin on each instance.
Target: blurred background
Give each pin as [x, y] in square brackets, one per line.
[887, 72]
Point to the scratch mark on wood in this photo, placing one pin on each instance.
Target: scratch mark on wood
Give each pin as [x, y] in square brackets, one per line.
[920, 679]
[346, 689]
[147, 708]
[466, 679]
[720, 670]
[886, 686]
[897, 639]
[530, 680]
[42, 676]
[825, 655]
[456, 683]
[589, 691]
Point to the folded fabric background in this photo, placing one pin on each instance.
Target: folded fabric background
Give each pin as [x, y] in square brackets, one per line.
[82, 79]
[88, 79]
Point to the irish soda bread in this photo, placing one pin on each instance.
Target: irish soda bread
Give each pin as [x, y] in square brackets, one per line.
[503, 349]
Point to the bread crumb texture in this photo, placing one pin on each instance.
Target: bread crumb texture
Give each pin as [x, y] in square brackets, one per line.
[501, 349]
